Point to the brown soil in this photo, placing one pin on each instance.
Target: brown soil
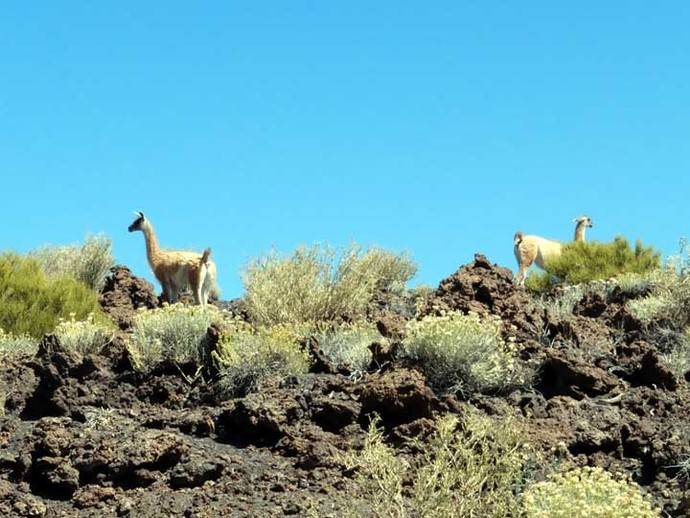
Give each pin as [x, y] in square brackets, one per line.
[89, 436]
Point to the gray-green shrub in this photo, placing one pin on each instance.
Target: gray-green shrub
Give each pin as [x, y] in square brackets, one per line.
[173, 332]
[89, 262]
[347, 345]
[462, 352]
[246, 356]
[469, 468]
[318, 284]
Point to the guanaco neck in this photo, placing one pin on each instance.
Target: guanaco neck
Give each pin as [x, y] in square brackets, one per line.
[580, 230]
[152, 248]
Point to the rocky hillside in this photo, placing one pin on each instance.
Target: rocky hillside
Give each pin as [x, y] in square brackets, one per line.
[91, 436]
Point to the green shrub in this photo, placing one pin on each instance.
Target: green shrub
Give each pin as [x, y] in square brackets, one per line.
[173, 332]
[83, 336]
[17, 344]
[347, 345]
[590, 492]
[317, 284]
[246, 356]
[585, 262]
[473, 468]
[32, 304]
[89, 263]
[462, 352]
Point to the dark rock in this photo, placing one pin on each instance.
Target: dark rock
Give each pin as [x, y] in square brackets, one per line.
[195, 472]
[124, 293]
[566, 375]
[484, 288]
[397, 396]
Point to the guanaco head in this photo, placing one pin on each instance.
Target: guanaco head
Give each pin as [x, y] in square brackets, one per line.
[138, 223]
[584, 220]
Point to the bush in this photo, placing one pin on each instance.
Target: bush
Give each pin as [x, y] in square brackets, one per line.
[585, 262]
[462, 352]
[678, 358]
[89, 263]
[347, 345]
[17, 344]
[247, 356]
[316, 284]
[32, 304]
[592, 491]
[173, 332]
[470, 469]
[85, 336]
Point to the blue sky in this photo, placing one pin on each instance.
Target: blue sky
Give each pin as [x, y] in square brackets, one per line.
[439, 128]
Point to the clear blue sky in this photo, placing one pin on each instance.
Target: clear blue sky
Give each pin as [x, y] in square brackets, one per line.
[438, 128]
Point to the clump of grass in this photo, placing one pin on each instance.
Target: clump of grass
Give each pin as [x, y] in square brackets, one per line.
[584, 262]
[246, 356]
[173, 332]
[347, 345]
[469, 468]
[561, 304]
[17, 344]
[32, 304]
[678, 358]
[89, 262]
[318, 284]
[463, 353]
[590, 490]
[83, 336]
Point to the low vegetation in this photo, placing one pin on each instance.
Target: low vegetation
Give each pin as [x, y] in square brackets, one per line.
[83, 336]
[469, 468]
[347, 345]
[582, 262]
[32, 304]
[317, 284]
[174, 333]
[17, 344]
[247, 356]
[464, 353]
[89, 262]
[592, 491]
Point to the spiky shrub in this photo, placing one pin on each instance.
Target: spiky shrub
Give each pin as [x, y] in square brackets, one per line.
[463, 353]
[469, 468]
[584, 262]
[246, 356]
[17, 344]
[347, 345]
[592, 491]
[32, 304]
[83, 336]
[89, 262]
[318, 284]
[174, 333]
